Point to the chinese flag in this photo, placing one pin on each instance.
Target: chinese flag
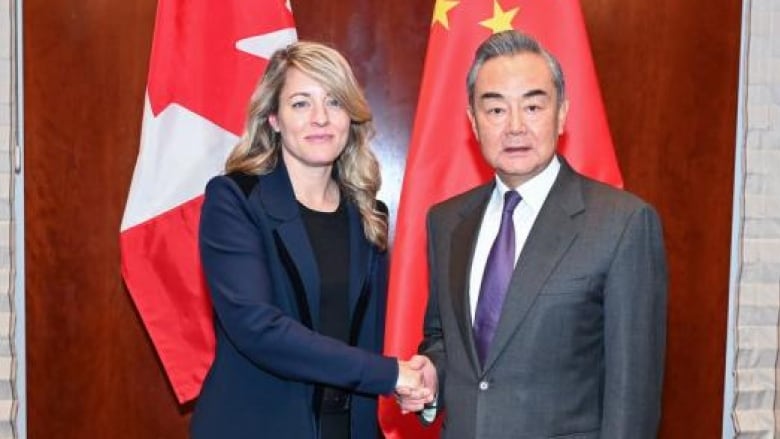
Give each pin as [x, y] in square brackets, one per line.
[444, 159]
[207, 56]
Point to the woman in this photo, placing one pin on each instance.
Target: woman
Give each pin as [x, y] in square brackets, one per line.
[293, 244]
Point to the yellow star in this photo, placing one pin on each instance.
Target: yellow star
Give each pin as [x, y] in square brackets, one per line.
[501, 20]
[440, 12]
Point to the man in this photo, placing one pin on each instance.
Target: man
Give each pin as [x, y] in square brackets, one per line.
[547, 308]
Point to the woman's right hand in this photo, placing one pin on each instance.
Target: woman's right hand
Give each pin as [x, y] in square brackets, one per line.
[411, 390]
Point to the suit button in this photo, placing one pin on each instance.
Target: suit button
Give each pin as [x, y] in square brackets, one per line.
[484, 385]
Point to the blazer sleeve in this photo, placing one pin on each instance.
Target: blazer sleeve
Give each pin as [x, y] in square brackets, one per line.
[239, 275]
[635, 330]
[432, 344]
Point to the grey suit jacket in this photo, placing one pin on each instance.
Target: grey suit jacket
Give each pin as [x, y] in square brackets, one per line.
[579, 349]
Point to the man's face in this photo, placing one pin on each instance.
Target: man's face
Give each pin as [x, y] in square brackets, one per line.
[516, 117]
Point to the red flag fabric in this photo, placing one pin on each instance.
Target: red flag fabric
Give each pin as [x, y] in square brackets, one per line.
[207, 56]
[444, 158]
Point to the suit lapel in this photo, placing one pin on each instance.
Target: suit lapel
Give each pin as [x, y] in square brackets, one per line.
[464, 238]
[278, 200]
[552, 234]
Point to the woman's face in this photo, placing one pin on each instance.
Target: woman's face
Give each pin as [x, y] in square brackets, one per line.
[313, 124]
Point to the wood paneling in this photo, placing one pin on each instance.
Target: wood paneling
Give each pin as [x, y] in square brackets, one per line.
[669, 74]
[92, 372]
[669, 77]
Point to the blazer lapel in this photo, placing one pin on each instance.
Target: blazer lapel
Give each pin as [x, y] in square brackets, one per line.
[464, 239]
[278, 200]
[552, 234]
[360, 260]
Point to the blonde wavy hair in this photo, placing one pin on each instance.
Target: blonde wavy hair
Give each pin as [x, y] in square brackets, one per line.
[357, 170]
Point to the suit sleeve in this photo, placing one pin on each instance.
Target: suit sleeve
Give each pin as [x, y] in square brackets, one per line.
[432, 344]
[635, 330]
[237, 270]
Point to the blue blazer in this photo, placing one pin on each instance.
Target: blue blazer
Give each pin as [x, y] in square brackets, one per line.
[264, 285]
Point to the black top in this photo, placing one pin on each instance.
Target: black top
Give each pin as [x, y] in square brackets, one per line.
[329, 237]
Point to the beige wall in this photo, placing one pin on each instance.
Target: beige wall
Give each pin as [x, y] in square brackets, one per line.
[7, 407]
[756, 254]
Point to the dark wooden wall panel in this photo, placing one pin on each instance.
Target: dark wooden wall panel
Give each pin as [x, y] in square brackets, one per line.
[669, 75]
[91, 370]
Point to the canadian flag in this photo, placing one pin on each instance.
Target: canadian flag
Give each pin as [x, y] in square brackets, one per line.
[207, 56]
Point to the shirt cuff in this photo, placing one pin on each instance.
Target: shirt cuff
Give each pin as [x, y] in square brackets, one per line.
[428, 413]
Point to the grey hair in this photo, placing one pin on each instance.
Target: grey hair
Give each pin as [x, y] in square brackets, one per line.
[512, 42]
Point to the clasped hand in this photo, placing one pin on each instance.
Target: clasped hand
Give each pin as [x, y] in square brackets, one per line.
[417, 384]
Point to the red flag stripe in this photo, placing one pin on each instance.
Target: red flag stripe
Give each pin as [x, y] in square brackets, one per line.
[162, 271]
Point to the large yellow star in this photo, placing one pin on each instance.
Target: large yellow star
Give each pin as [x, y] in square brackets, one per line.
[501, 20]
[440, 12]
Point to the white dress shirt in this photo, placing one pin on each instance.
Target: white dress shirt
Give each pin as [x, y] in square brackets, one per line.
[534, 192]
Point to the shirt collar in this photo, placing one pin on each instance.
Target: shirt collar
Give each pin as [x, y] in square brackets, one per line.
[535, 190]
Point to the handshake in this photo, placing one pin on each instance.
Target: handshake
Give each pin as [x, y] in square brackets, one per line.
[417, 384]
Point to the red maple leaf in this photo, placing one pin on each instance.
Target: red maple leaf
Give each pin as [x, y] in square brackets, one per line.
[195, 62]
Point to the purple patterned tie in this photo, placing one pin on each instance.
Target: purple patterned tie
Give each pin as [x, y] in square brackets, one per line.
[495, 280]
